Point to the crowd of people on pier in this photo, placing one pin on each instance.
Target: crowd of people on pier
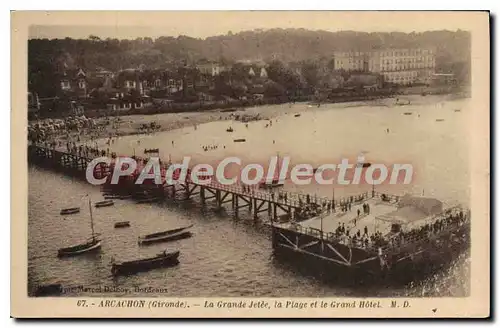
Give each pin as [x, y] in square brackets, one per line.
[448, 220]
[396, 238]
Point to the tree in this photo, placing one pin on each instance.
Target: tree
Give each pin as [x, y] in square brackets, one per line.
[94, 38]
[273, 89]
[310, 73]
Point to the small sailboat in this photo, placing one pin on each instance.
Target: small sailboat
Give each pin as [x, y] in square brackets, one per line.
[92, 244]
[275, 182]
[230, 129]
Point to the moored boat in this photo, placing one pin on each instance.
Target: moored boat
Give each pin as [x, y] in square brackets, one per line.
[229, 129]
[104, 203]
[168, 235]
[297, 115]
[163, 259]
[240, 140]
[92, 244]
[276, 182]
[71, 210]
[122, 224]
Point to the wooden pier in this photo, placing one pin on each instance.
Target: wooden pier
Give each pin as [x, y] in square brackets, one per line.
[309, 246]
[279, 205]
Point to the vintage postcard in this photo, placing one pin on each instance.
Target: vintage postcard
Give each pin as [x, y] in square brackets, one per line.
[259, 164]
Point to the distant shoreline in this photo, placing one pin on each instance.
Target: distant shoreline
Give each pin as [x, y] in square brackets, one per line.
[173, 121]
[168, 121]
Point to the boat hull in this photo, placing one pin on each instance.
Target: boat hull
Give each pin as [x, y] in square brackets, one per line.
[74, 251]
[127, 268]
[122, 224]
[69, 211]
[104, 204]
[161, 239]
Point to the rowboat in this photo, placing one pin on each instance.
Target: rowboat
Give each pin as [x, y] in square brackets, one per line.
[71, 210]
[163, 259]
[104, 203]
[168, 235]
[240, 140]
[297, 115]
[122, 224]
[408, 113]
[92, 244]
[439, 120]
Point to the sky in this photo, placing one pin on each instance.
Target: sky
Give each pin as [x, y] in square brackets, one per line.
[130, 25]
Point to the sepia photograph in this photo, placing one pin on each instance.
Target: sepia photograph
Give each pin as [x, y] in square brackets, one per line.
[316, 163]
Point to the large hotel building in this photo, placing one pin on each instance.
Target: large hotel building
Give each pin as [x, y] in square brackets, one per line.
[401, 66]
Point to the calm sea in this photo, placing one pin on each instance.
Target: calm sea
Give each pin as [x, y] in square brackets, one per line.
[233, 257]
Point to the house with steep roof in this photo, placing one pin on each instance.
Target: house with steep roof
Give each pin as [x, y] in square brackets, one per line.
[72, 82]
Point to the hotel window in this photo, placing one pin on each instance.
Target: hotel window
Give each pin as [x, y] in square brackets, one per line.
[81, 84]
[157, 83]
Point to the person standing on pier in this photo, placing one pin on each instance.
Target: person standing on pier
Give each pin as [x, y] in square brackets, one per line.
[359, 212]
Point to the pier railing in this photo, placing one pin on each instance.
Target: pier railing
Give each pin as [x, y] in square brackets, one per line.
[392, 245]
